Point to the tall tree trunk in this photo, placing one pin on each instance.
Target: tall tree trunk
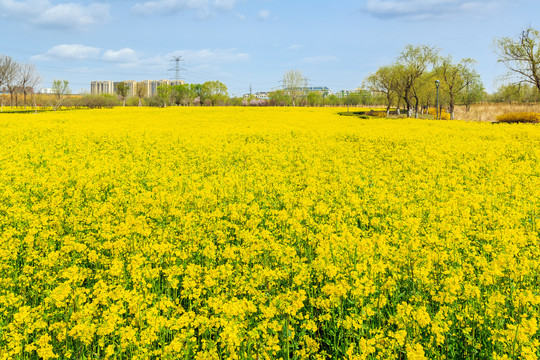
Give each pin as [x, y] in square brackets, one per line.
[452, 102]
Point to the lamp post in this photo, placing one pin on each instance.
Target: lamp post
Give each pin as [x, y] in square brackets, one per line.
[347, 100]
[437, 83]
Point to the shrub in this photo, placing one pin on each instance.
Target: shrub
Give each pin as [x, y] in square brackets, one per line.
[134, 101]
[154, 101]
[519, 117]
[93, 101]
[444, 115]
[375, 113]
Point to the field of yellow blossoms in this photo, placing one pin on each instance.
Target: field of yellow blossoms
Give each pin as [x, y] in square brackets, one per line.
[267, 233]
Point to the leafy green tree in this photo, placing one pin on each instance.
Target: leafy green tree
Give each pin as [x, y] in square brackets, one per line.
[236, 101]
[140, 91]
[384, 81]
[164, 94]
[314, 98]
[365, 97]
[122, 90]
[215, 92]
[473, 93]
[197, 89]
[426, 91]
[455, 78]
[518, 93]
[333, 100]
[416, 61]
[279, 98]
[183, 94]
[521, 56]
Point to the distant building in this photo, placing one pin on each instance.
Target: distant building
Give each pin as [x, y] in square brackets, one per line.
[101, 87]
[46, 91]
[132, 85]
[150, 86]
[263, 95]
[324, 90]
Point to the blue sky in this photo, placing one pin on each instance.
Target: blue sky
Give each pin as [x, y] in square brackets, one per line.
[242, 42]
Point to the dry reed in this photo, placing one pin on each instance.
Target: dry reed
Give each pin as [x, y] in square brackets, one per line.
[490, 111]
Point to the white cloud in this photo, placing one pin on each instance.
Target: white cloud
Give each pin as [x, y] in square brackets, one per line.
[212, 56]
[70, 52]
[320, 59]
[164, 7]
[125, 55]
[44, 13]
[225, 4]
[294, 47]
[169, 7]
[264, 14]
[428, 9]
[205, 63]
[193, 60]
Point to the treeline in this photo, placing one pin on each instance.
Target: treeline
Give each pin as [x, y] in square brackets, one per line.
[514, 93]
[215, 93]
[322, 98]
[420, 77]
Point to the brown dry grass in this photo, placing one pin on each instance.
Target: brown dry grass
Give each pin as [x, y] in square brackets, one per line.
[490, 111]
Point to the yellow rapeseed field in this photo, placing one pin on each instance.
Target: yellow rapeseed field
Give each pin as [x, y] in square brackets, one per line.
[267, 233]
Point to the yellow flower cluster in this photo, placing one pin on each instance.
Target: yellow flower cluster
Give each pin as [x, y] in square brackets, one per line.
[265, 233]
[521, 117]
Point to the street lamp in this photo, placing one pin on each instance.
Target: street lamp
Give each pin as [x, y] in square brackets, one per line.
[347, 100]
[437, 83]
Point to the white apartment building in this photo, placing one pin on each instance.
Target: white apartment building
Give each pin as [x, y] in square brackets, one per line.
[46, 91]
[149, 86]
[101, 87]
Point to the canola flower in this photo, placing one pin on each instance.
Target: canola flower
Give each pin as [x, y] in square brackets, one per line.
[265, 233]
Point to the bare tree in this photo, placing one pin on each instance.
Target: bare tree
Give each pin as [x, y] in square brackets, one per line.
[521, 56]
[60, 89]
[294, 84]
[3, 60]
[9, 74]
[6, 66]
[28, 79]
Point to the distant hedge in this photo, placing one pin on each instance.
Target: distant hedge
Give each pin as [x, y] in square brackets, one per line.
[93, 101]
